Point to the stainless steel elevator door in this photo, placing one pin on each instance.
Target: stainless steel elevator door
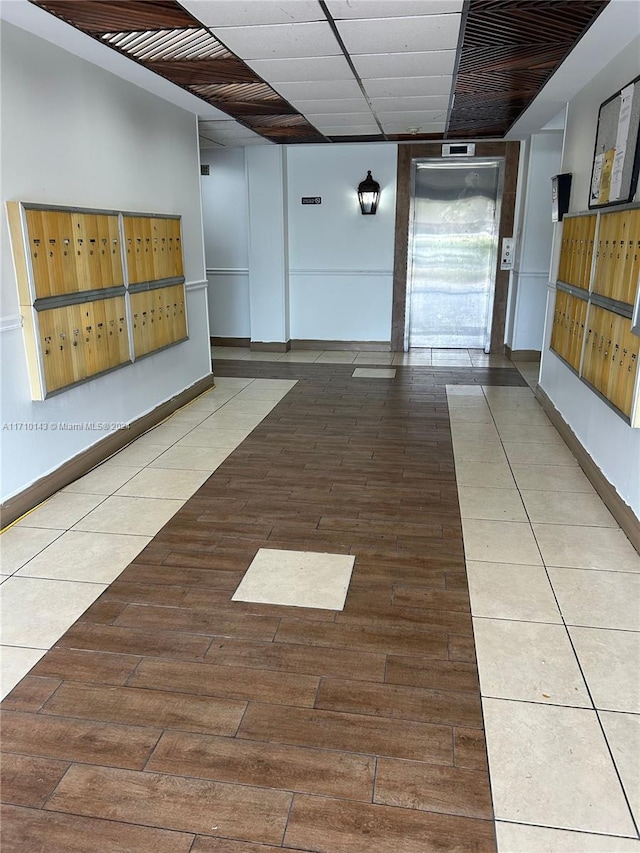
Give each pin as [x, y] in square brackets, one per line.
[453, 252]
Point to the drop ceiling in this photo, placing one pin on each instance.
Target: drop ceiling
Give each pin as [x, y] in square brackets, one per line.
[300, 71]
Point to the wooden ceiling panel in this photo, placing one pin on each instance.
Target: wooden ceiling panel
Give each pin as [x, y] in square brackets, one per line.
[167, 45]
[169, 41]
[285, 121]
[289, 136]
[240, 109]
[284, 128]
[95, 16]
[223, 70]
[510, 57]
[254, 91]
[529, 22]
[509, 50]
[245, 99]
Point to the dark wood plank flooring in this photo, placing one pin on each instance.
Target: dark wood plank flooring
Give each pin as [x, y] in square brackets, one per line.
[169, 718]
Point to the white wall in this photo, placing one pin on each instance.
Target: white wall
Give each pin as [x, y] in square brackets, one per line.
[224, 203]
[268, 286]
[336, 306]
[314, 271]
[612, 444]
[529, 280]
[74, 134]
[341, 262]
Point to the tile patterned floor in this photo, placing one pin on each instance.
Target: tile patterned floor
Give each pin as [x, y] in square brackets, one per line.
[61, 556]
[297, 579]
[415, 357]
[169, 717]
[554, 590]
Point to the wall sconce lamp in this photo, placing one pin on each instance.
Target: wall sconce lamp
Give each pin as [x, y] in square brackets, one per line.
[368, 195]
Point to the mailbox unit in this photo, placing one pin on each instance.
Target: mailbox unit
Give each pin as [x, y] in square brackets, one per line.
[98, 289]
[595, 324]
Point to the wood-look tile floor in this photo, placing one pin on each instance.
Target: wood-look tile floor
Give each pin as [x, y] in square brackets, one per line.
[169, 718]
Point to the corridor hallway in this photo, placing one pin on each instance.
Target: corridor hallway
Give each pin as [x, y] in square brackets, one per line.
[170, 718]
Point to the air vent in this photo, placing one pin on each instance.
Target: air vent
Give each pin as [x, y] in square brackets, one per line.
[204, 169]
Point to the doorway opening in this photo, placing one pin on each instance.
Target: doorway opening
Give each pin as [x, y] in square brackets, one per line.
[453, 250]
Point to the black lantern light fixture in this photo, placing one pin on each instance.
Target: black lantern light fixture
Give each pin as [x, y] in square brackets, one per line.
[368, 195]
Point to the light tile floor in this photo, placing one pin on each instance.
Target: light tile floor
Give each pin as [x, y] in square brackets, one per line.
[59, 558]
[297, 579]
[554, 590]
[374, 373]
[417, 357]
[553, 584]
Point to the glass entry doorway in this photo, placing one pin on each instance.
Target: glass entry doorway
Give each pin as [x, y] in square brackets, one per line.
[453, 246]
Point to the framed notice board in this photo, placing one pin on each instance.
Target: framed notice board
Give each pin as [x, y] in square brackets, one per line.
[616, 158]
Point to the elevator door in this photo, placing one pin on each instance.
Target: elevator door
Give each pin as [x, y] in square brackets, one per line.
[453, 252]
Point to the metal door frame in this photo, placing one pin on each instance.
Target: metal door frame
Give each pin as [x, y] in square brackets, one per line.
[439, 161]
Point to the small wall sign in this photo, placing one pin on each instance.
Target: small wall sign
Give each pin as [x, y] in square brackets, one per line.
[311, 199]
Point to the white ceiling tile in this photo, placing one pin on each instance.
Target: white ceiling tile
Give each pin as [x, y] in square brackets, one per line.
[232, 137]
[319, 90]
[348, 105]
[403, 127]
[412, 118]
[227, 123]
[397, 35]
[240, 138]
[439, 103]
[391, 8]
[232, 13]
[242, 141]
[320, 68]
[431, 63]
[280, 41]
[237, 143]
[321, 120]
[352, 130]
[394, 87]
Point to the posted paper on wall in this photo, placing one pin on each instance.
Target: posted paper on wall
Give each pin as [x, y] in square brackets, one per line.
[622, 137]
[595, 180]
